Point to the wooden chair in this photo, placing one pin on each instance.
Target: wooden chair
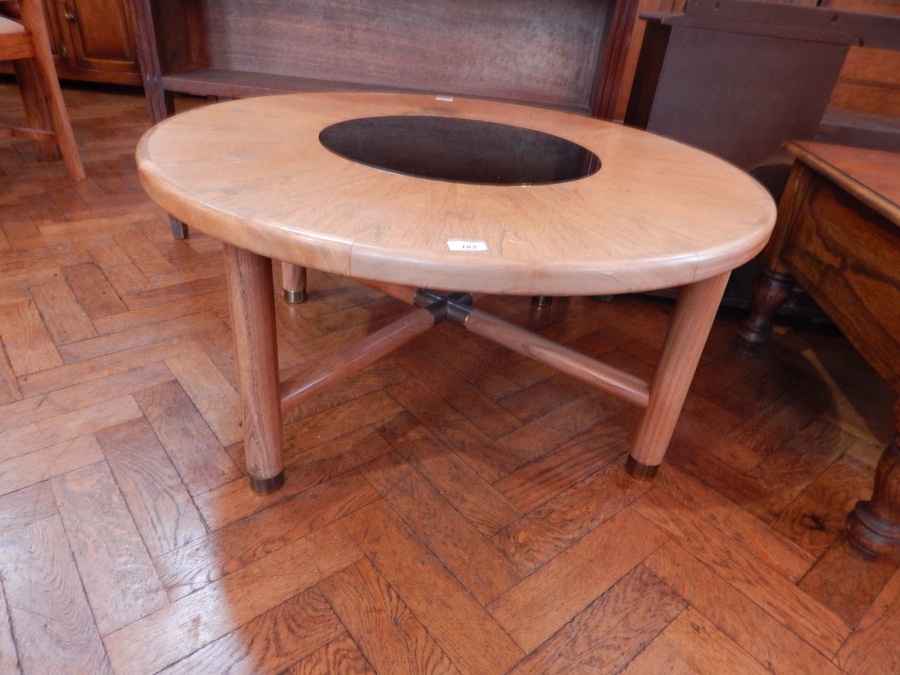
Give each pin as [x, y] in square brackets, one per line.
[25, 42]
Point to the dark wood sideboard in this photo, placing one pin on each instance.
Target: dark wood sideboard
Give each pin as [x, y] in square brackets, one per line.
[568, 54]
[740, 79]
[838, 234]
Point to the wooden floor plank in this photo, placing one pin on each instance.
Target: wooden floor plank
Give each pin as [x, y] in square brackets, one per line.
[9, 658]
[548, 432]
[161, 507]
[816, 517]
[119, 579]
[291, 631]
[18, 441]
[778, 596]
[705, 649]
[138, 337]
[82, 394]
[540, 481]
[338, 656]
[472, 640]
[91, 288]
[387, 632]
[562, 522]
[745, 623]
[470, 444]
[847, 582]
[233, 501]
[52, 622]
[874, 647]
[486, 508]
[470, 557]
[780, 553]
[209, 558]
[490, 418]
[29, 346]
[55, 460]
[62, 315]
[612, 630]
[196, 620]
[102, 366]
[198, 456]
[9, 385]
[548, 599]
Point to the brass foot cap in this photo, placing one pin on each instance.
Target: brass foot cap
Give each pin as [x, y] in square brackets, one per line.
[638, 470]
[264, 486]
[294, 297]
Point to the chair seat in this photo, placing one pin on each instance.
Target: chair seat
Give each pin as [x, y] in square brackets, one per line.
[15, 41]
[9, 27]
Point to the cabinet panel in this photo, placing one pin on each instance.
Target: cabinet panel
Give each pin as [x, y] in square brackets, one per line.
[93, 40]
[565, 54]
[103, 34]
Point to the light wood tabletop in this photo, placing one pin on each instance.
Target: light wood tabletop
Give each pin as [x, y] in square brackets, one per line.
[658, 214]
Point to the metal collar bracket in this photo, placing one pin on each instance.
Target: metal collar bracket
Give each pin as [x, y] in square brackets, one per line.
[455, 306]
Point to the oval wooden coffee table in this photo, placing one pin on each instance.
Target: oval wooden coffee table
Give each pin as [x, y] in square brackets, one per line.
[657, 214]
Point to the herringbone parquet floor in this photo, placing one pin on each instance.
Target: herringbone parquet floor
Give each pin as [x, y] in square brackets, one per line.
[454, 508]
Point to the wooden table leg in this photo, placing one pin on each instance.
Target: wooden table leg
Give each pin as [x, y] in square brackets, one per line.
[293, 281]
[775, 283]
[771, 291]
[250, 280]
[695, 311]
[874, 525]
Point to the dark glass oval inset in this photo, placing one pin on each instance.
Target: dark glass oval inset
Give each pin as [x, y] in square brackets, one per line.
[460, 150]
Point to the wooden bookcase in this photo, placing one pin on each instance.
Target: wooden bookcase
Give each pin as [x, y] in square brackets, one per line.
[567, 54]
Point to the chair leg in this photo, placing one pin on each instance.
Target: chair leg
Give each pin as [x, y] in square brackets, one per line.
[36, 112]
[52, 94]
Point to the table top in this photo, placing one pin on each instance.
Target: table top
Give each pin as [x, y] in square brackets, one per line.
[254, 174]
[872, 176]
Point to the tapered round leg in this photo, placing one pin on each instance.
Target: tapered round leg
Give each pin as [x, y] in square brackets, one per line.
[695, 311]
[293, 281]
[249, 278]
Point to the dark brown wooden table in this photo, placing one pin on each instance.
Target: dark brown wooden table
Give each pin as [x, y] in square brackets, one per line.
[838, 235]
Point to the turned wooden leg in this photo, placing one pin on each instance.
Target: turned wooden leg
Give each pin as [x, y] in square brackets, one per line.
[695, 311]
[293, 281]
[874, 525]
[179, 229]
[249, 279]
[771, 291]
[773, 287]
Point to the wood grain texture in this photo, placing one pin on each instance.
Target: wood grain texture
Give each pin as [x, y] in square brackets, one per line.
[184, 626]
[739, 617]
[29, 347]
[545, 601]
[54, 628]
[106, 458]
[607, 235]
[382, 625]
[159, 503]
[107, 546]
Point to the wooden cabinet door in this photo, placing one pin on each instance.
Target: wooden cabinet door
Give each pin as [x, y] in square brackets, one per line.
[96, 40]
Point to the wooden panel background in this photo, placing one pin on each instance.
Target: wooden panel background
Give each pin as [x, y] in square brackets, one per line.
[518, 49]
